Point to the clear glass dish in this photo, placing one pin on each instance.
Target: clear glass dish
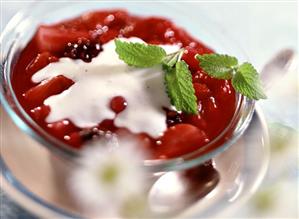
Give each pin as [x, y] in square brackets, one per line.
[21, 28]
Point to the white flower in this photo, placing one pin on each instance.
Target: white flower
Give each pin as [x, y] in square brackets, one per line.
[109, 176]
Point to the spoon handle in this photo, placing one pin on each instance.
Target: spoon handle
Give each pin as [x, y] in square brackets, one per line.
[278, 66]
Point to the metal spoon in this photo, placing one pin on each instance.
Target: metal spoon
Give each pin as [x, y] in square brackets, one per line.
[278, 66]
[175, 191]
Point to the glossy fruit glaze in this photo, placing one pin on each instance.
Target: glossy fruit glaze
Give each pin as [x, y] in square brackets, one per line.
[81, 38]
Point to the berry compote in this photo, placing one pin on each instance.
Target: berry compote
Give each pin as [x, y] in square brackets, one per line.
[82, 38]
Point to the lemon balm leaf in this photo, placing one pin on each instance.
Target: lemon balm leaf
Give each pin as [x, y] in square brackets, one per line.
[180, 89]
[139, 54]
[217, 65]
[246, 81]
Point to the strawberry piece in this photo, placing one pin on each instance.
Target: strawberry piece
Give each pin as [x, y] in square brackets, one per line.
[211, 105]
[201, 77]
[114, 19]
[61, 128]
[156, 27]
[179, 140]
[40, 113]
[143, 140]
[40, 61]
[74, 140]
[189, 58]
[55, 38]
[196, 120]
[201, 90]
[191, 52]
[36, 95]
[107, 125]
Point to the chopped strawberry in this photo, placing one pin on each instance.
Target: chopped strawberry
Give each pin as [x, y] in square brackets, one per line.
[40, 113]
[156, 27]
[107, 125]
[143, 140]
[61, 128]
[196, 120]
[112, 19]
[74, 140]
[200, 77]
[41, 60]
[55, 38]
[189, 58]
[36, 95]
[201, 90]
[179, 140]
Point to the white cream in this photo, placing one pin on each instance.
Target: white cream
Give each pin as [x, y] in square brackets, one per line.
[87, 102]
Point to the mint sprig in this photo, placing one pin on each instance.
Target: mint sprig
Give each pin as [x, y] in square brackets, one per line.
[245, 78]
[139, 54]
[178, 80]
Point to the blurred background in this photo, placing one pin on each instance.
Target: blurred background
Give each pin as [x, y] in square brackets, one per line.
[262, 30]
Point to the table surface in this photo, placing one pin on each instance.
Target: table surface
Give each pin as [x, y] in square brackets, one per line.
[261, 29]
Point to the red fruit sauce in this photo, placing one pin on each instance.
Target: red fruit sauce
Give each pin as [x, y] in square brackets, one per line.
[81, 38]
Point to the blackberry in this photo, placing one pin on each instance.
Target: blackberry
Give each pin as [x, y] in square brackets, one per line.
[173, 117]
[83, 49]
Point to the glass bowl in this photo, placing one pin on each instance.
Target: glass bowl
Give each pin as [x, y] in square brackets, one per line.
[22, 27]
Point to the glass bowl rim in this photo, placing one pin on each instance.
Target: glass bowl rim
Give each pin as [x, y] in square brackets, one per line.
[61, 149]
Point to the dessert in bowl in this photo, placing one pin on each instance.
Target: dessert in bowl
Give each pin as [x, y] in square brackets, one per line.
[71, 83]
[29, 82]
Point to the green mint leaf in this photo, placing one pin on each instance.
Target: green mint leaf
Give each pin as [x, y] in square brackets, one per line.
[246, 81]
[178, 81]
[171, 59]
[139, 54]
[245, 78]
[218, 66]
